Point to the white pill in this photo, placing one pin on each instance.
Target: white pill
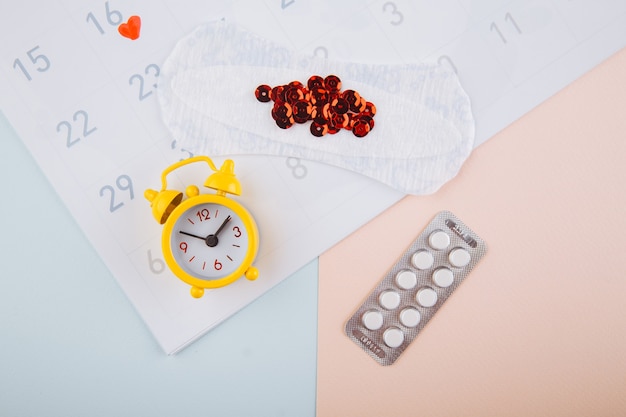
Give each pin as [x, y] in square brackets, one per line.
[372, 320]
[439, 240]
[410, 317]
[443, 277]
[406, 279]
[422, 259]
[459, 257]
[426, 297]
[393, 337]
[389, 299]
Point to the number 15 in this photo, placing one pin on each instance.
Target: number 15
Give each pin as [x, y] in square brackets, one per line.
[41, 59]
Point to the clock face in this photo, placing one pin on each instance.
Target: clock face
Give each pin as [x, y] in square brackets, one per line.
[209, 241]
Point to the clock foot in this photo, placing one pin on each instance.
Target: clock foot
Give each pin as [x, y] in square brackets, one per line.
[197, 292]
[252, 273]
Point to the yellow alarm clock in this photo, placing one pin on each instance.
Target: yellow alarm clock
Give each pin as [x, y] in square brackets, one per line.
[208, 240]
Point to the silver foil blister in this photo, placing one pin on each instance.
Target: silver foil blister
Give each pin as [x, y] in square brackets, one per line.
[415, 287]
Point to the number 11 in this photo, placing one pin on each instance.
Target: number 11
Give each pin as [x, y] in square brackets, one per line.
[509, 18]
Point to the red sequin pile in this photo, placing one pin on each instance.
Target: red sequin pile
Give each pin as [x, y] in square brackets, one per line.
[322, 102]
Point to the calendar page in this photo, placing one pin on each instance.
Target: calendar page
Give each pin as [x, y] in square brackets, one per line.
[82, 97]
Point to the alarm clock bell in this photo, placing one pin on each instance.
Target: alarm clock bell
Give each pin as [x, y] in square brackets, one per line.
[165, 201]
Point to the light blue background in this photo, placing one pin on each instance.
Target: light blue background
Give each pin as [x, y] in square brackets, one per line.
[72, 344]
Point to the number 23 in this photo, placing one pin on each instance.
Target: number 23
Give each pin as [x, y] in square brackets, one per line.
[150, 68]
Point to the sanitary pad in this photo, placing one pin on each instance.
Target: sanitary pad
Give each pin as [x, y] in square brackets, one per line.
[424, 129]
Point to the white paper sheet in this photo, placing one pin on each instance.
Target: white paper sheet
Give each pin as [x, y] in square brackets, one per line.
[82, 98]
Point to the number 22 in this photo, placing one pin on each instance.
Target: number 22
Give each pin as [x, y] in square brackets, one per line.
[86, 131]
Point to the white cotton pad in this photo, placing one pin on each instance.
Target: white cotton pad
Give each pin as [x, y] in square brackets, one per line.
[423, 131]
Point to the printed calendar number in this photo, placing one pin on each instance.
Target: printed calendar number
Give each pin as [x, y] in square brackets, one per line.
[80, 118]
[37, 60]
[298, 170]
[156, 265]
[188, 153]
[321, 52]
[122, 183]
[446, 61]
[510, 21]
[151, 73]
[113, 17]
[286, 3]
[392, 8]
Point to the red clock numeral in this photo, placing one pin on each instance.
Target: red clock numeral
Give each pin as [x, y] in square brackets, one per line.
[217, 265]
[183, 246]
[203, 214]
[237, 231]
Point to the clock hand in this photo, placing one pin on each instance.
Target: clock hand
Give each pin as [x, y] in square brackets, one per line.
[211, 240]
[189, 234]
[222, 226]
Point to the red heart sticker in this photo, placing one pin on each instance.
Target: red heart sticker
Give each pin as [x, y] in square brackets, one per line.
[131, 29]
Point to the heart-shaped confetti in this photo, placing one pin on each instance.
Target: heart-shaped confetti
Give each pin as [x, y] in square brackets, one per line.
[131, 29]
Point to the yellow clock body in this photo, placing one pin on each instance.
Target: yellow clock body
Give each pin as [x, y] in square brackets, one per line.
[208, 240]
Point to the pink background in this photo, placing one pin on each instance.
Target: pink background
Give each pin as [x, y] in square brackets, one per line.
[539, 327]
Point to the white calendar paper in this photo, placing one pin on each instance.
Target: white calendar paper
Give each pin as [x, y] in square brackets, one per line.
[83, 100]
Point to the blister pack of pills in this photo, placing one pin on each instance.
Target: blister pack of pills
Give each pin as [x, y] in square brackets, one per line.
[415, 287]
